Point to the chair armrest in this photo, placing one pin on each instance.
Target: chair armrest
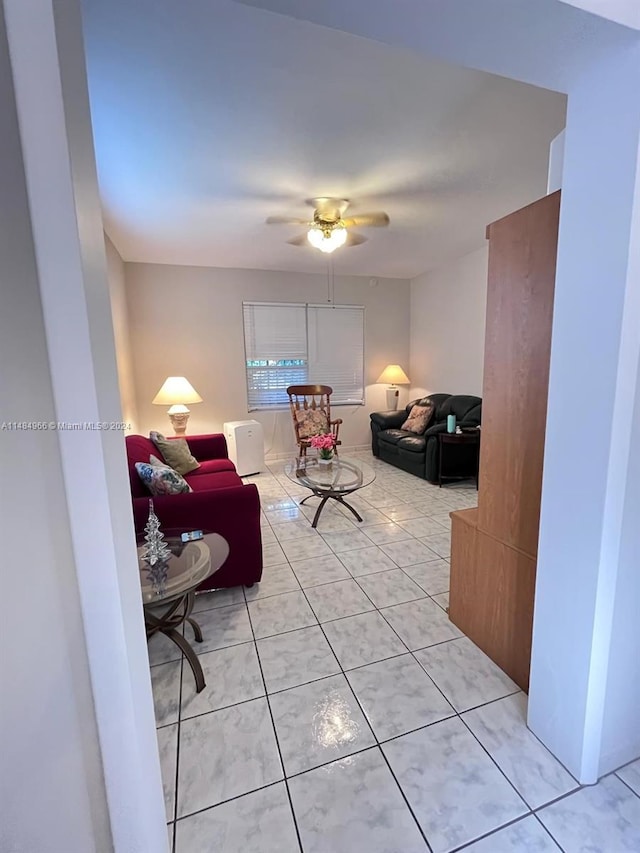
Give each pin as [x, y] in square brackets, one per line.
[337, 422]
[217, 510]
[389, 420]
[208, 447]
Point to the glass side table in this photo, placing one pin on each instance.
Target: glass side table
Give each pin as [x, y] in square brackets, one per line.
[341, 477]
[190, 564]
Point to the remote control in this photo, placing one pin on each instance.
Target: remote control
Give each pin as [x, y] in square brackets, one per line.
[192, 535]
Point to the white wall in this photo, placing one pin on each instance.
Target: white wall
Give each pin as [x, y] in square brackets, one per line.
[51, 783]
[448, 307]
[587, 495]
[625, 12]
[90, 480]
[620, 727]
[120, 317]
[187, 321]
[556, 163]
[621, 724]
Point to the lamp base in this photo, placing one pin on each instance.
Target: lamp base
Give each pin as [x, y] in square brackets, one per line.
[392, 398]
[179, 422]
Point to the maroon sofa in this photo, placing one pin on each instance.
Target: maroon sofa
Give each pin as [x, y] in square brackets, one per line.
[220, 502]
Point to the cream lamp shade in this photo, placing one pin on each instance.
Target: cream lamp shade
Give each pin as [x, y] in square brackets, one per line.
[177, 392]
[393, 375]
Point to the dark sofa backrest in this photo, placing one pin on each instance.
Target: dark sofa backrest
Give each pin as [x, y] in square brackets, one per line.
[436, 399]
[465, 407]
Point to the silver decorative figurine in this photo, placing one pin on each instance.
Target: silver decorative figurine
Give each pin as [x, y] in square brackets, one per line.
[156, 553]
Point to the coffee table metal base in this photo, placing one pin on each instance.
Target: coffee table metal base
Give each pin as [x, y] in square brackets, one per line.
[324, 497]
[178, 612]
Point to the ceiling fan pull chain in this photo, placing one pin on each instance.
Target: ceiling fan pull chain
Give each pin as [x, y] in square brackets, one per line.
[329, 278]
[333, 283]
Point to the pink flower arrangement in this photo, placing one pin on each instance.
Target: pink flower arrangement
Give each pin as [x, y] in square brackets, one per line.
[324, 444]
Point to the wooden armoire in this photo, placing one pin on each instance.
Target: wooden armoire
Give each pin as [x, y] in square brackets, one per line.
[494, 547]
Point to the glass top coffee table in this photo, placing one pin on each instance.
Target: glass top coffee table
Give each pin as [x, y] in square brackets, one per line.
[341, 477]
[165, 612]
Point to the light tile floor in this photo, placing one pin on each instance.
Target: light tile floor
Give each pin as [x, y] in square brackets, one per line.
[344, 713]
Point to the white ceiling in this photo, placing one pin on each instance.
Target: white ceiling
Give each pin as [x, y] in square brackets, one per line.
[210, 116]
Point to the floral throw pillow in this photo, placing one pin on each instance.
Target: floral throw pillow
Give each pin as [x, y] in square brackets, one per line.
[160, 479]
[419, 419]
[311, 422]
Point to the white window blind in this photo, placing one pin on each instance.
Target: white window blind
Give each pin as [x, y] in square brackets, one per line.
[336, 350]
[295, 344]
[275, 341]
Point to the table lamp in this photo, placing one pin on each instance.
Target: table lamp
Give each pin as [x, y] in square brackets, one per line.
[176, 392]
[394, 375]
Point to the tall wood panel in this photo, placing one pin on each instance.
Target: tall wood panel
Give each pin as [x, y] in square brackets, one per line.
[522, 269]
[493, 568]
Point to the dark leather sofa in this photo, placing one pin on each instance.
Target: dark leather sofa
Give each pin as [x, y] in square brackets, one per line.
[420, 454]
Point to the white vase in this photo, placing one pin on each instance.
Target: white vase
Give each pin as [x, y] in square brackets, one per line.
[325, 462]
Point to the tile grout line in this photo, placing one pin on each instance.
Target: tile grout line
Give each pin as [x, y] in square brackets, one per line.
[615, 773]
[547, 831]
[175, 793]
[377, 742]
[275, 732]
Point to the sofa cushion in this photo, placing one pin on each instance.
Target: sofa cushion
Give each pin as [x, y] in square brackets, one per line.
[175, 452]
[393, 436]
[414, 444]
[161, 479]
[419, 418]
[213, 466]
[207, 482]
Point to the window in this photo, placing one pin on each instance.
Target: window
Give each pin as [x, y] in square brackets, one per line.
[292, 344]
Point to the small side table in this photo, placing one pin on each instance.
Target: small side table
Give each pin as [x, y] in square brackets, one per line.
[446, 439]
[189, 565]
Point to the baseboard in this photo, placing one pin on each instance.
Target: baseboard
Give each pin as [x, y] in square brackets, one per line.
[344, 449]
[619, 757]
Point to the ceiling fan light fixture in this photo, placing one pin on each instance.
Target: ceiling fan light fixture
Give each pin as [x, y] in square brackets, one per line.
[327, 239]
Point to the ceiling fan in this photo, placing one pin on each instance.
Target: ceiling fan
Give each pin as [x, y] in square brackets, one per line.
[328, 230]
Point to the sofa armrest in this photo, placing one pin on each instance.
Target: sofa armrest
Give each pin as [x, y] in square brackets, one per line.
[436, 429]
[472, 418]
[233, 512]
[389, 420]
[208, 447]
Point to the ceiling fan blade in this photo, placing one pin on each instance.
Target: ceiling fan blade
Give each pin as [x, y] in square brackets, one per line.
[355, 239]
[330, 209]
[377, 220]
[301, 240]
[285, 220]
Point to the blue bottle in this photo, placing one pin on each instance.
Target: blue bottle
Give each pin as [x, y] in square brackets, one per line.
[451, 423]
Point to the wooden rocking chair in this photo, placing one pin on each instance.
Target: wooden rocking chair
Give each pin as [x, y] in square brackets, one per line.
[311, 413]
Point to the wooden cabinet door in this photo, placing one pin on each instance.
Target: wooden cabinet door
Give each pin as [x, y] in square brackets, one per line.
[522, 267]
